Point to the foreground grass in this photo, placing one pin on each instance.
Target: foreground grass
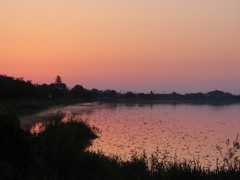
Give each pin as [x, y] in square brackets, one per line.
[59, 153]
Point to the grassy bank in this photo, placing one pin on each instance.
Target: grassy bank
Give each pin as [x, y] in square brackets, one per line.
[60, 152]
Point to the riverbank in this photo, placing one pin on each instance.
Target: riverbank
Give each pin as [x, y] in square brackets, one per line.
[27, 106]
[174, 102]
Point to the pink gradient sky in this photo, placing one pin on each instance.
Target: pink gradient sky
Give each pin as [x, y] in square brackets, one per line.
[164, 46]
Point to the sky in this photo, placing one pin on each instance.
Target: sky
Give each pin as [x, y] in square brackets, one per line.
[127, 45]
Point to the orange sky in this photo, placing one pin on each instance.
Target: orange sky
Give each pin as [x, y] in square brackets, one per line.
[138, 45]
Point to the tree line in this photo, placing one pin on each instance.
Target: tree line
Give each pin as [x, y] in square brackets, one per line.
[11, 87]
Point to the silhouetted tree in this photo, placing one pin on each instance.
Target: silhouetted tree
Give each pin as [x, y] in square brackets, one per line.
[58, 80]
[15, 87]
[95, 93]
[219, 95]
[60, 86]
[78, 91]
[129, 95]
[110, 93]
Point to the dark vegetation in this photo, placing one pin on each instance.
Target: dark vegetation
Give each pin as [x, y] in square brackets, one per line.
[17, 89]
[60, 151]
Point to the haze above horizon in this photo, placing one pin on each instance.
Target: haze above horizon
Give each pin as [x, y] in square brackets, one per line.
[135, 45]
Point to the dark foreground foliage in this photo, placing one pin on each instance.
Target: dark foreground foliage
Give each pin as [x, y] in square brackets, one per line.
[59, 153]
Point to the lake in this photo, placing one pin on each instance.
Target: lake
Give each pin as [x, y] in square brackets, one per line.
[183, 130]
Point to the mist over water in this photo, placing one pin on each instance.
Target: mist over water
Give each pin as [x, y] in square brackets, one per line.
[187, 131]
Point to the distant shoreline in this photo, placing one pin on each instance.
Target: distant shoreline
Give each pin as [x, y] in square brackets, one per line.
[193, 102]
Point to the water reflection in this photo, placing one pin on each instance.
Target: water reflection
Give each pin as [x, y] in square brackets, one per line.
[189, 131]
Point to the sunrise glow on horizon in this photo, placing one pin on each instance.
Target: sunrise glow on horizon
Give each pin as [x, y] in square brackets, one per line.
[135, 45]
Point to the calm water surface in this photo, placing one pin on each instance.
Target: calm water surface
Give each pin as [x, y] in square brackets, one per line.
[189, 131]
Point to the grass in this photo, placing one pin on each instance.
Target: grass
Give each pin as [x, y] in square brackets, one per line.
[60, 152]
